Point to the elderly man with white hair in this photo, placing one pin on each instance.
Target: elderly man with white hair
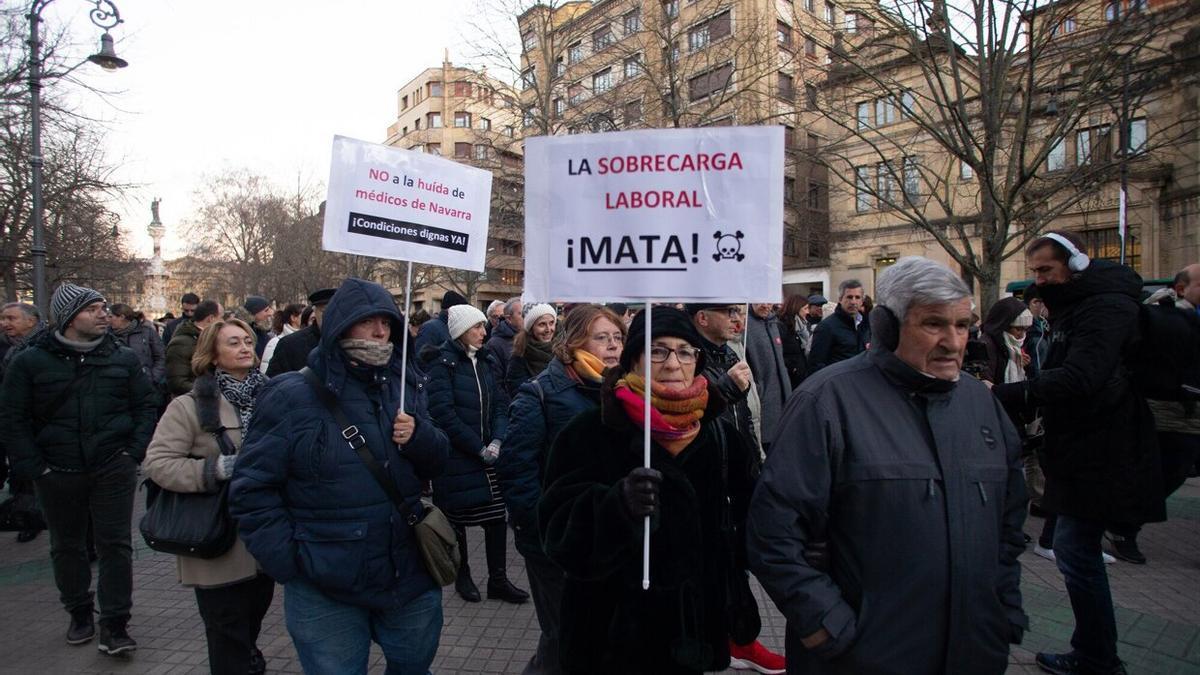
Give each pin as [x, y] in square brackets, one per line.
[913, 485]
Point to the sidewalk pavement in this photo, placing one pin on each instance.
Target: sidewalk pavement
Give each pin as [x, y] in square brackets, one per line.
[1158, 613]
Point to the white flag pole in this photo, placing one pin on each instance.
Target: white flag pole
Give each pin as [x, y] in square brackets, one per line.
[404, 339]
[646, 452]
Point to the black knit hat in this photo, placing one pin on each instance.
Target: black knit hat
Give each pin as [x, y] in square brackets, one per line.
[664, 322]
[255, 304]
[451, 299]
[69, 300]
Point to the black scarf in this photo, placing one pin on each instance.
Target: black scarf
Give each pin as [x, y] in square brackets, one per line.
[241, 393]
[538, 355]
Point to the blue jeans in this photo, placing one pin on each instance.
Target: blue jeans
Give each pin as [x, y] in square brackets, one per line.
[1077, 552]
[333, 637]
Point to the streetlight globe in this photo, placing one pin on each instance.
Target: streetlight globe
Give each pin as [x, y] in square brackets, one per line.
[107, 57]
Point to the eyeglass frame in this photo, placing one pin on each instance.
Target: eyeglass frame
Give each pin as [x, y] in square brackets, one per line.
[695, 352]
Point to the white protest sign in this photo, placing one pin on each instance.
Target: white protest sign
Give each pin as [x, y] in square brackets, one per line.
[391, 203]
[678, 214]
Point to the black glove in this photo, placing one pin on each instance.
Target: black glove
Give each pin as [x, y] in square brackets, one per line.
[639, 491]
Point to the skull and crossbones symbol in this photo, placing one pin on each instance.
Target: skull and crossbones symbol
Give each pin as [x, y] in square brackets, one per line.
[729, 246]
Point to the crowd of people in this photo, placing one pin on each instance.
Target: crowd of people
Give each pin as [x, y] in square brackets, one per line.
[838, 452]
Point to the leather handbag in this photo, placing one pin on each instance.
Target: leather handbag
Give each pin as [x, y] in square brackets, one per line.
[434, 534]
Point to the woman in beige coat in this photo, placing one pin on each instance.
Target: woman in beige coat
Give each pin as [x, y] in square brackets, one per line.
[231, 591]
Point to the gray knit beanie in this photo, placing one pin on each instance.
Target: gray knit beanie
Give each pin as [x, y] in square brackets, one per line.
[69, 300]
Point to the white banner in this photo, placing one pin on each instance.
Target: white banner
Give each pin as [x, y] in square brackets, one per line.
[391, 203]
[661, 214]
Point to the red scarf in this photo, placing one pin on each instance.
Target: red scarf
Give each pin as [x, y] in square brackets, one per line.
[674, 413]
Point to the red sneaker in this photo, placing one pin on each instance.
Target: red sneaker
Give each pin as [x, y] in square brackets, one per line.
[755, 656]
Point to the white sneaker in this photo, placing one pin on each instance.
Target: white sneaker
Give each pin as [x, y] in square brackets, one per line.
[1047, 553]
[1108, 559]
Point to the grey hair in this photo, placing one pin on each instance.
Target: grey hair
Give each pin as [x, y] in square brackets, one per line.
[493, 305]
[508, 306]
[918, 281]
[849, 283]
[30, 310]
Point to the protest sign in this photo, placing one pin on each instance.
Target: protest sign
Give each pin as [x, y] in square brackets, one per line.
[391, 203]
[679, 214]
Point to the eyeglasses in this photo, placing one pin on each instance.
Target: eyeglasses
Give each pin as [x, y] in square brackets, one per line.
[731, 312]
[609, 338]
[685, 355]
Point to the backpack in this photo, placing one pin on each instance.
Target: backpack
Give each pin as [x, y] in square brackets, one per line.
[1164, 360]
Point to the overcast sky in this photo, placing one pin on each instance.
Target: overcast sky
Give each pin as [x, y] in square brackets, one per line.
[263, 84]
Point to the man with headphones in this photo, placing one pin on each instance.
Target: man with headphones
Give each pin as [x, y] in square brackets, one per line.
[1100, 459]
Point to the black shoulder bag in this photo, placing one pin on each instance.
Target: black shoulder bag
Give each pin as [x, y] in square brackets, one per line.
[192, 524]
[435, 536]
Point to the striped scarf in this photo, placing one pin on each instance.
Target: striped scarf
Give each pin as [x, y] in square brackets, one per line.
[674, 413]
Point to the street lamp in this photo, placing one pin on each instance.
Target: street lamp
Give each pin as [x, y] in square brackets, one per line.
[104, 15]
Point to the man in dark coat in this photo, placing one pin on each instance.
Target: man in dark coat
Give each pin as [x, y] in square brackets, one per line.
[179, 351]
[1101, 460]
[500, 344]
[21, 323]
[434, 331]
[764, 353]
[291, 352]
[260, 312]
[843, 334]
[717, 325]
[78, 413]
[188, 304]
[914, 484]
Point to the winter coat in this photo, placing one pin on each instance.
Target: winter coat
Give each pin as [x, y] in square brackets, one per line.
[1101, 460]
[836, 339]
[182, 458]
[794, 356]
[144, 342]
[516, 374]
[261, 338]
[764, 353]
[717, 362]
[432, 333]
[306, 505]
[916, 486]
[172, 326]
[609, 624]
[109, 410]
[1181, 417]
[470, 406]
[539, 412]
[272, 345]
[500, 345]
[291, 352]
[179, 359]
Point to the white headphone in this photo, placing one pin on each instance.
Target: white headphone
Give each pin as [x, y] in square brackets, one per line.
[1078, 261]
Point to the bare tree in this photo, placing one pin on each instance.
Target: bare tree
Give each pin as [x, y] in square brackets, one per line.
[956, 119]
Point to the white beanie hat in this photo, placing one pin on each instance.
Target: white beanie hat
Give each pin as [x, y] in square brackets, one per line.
[1024, 319]
[536, 312]
[461, 317]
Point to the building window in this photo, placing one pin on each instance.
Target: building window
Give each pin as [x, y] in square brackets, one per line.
[481, 152]
[810, 47]
[434, 148]
[789, 190]
[632, 22]
[814, 142]
[698, 37]
[810, 96]
[485, 124]
[726, 121]
[462, 89]
[908, 104]
[404, 132]
[633, 112]
[912, 178]
[559, 107]
[810, 6]
[885, 184]
[435, 89]
[706, 84]
[417, 124]
[1105, 244]
[602, 38]
[783, 33]
[462, 120]
[862, 190]
[510, 131]
[528, 119]
[1064, 27]
[789, 136]
[1091, 145]
[1135, 144]
[671, 55]
[574, 94]
[435, 120]
[670, 8]
[633, 66]
[850, 23]
[885, 111]
[863, 113]
[786, 89]
[575, 52]
[1135, 6]
[1057, 159]
[1112, 10]
[965, 172]
[528, 79]
[602, 81]
[512, 277]
[404, 103]
[529, 41]
[816, 196]
[462, 150]
[830, 14]
[560, 68]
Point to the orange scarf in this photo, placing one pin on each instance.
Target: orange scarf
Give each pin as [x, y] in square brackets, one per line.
[674, 413]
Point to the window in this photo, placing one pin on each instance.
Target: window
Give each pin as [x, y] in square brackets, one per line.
[850, 23]
[575, 52]
[602, 81]
[1135, 144]
[528, 118]
[789, 189]
[786, 88]
[434, 148]
[816, 196]
[462, 150]
[633, 112]
[485, 124]
[435, 88]
[510, 131]
[810, 96]
[602, 38]
[814, 142]
[912, 178]
[404, 132]
[783, 33]
[1091, 145]
[885, 185]
[559, 107]
[671, 55]
[633, 66]
[810, 5]
[632, 22]
[417, 124]
[462, 89]
[1105, 244]
[713, 29]
[810, 47]
[789, 136]
[481, 152]
[512, 277]
[528, 79]
[1135, 6]
[560, 68]
[670, 8]
[965, 172]
[1057, 159]
[574, 94]
[462, 120]
[863, 113]
[706, 84]
[698, 37]
[1112, 10]
[830, 14]
[404, 103]
[529, 41]
[885, 111]
[908, 103]
[862, 195]
[1064, 27]
[435, 120]
[726, 121]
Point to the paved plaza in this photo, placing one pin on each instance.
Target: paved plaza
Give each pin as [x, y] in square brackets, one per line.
[1158, 613]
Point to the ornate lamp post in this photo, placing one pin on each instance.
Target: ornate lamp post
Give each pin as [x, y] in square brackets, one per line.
[104, 15]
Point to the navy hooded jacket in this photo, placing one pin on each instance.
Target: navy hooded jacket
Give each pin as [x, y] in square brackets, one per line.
[307, 507]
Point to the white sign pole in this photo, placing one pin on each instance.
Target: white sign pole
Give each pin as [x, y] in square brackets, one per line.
[404, 340]
[646, 452]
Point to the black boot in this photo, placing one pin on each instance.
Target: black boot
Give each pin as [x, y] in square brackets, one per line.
[499, 587]
[114, 639]
[463, 584]
[83, 626]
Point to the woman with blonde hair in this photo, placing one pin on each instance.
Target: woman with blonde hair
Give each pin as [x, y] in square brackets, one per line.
[185, 456]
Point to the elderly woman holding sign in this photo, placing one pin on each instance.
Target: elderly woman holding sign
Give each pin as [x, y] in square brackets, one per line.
[597, 494]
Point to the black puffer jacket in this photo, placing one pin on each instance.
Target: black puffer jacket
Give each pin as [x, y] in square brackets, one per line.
[1101, 458]
[53, 421]
[291, 352]
[836, 339]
